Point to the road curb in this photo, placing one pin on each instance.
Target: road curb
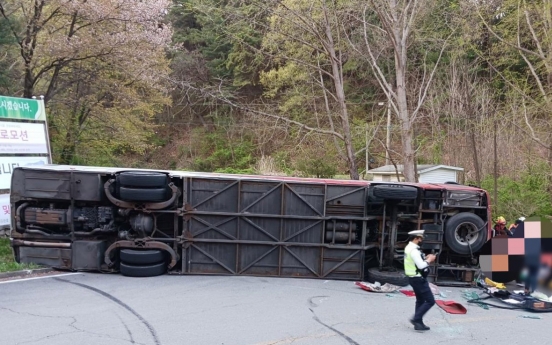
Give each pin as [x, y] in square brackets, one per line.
[24, 273]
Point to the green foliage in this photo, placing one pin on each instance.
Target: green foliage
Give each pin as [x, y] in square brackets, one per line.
[219, 31]
[526, 196]
[248, 171]
[219, 153]
[7, 262]
[318, 160]
[433, 148]
[510, 21]
[320, 167]
[158, 141]
[8, 46]
[96, 132]
[283, 161]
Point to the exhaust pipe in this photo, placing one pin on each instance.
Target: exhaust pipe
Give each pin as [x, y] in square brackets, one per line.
[40, 244]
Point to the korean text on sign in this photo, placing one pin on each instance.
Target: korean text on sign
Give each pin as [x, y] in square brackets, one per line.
[15, 105]
[14, 134]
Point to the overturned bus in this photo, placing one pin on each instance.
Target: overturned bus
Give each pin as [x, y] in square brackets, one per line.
[147, 223]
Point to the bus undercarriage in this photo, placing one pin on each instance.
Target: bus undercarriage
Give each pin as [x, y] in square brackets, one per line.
[147, 223]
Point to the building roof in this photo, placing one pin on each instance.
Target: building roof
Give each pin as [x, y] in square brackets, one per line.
[422, 168]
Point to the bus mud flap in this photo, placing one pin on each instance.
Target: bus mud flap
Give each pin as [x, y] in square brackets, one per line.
[138, 244]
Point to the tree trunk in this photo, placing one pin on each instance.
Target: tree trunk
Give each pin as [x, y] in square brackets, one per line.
[68, 150]
[340, 95]
[338, 148]
[475, 158]
[28, 83]
[347, 138]
[550, 169]
[28, 44]
[409, 169]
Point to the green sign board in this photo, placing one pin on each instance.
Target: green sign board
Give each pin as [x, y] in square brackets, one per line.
[22, 108]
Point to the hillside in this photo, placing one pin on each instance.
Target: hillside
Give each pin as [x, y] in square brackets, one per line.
[295, 88]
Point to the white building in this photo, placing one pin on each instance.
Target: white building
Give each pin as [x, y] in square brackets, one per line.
[427, 173]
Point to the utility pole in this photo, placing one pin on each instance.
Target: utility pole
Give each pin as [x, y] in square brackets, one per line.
[495, 166]
[388, 139]
[367, 152]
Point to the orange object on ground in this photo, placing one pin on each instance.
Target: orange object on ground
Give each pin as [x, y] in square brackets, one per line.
[408, 293]
[451, 307]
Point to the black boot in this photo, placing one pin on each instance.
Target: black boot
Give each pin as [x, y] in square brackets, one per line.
[419, 325]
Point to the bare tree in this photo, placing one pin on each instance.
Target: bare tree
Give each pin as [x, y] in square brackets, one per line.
[532, 40]
[301, 37]
[56, 35]
[469, 98]
[396, 21]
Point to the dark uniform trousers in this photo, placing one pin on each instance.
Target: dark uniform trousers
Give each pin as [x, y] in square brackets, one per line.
[424, 297]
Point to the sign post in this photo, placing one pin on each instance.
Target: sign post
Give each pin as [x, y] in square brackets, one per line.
[24, 141]
[43, 115]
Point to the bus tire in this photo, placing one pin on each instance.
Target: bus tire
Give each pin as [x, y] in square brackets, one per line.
[142, 257]
[145, 179]
[143, 194]
[143, 270]
[397, 278]
[463, 228]
[395, 192]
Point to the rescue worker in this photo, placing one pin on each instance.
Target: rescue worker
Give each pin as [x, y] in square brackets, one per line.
[416, 268]
[548, 280]
[514, 226]
[500, 227]
[532, 264]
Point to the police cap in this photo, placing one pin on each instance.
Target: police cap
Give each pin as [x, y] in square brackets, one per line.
[417, 233]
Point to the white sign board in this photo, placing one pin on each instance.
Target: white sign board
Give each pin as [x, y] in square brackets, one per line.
[5, 210]
[7, 164]
[21, 137]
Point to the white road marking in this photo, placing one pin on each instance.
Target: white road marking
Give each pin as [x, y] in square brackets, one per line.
[34, 278]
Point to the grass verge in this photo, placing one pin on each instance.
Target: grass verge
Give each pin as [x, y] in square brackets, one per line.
[7, 262]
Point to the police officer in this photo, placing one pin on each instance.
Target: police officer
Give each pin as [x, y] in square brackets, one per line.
[416, 268]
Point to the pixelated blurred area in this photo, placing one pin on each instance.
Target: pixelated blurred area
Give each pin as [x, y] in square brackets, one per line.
[502, 259]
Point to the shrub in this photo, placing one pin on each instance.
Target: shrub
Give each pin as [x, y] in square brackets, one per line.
[219, 153]
[526, 196]
[319, 167]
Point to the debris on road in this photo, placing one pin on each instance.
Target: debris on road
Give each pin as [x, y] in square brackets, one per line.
[451, 307]
[434, 289]
[495, 284]
[377, 287]
[409, 293]
[473, 296]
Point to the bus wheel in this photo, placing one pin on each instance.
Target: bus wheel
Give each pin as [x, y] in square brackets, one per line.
[395, 192]
[464, 228]
[397, 278]
[144, 179]
[144, 194]
[142, 257]
[143, 270]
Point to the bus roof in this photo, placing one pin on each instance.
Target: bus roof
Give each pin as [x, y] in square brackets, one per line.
[112, 170]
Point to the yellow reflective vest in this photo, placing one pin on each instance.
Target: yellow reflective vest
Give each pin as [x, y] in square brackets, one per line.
[410, 268]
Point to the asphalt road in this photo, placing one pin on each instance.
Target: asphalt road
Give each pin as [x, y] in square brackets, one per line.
[111, 309]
